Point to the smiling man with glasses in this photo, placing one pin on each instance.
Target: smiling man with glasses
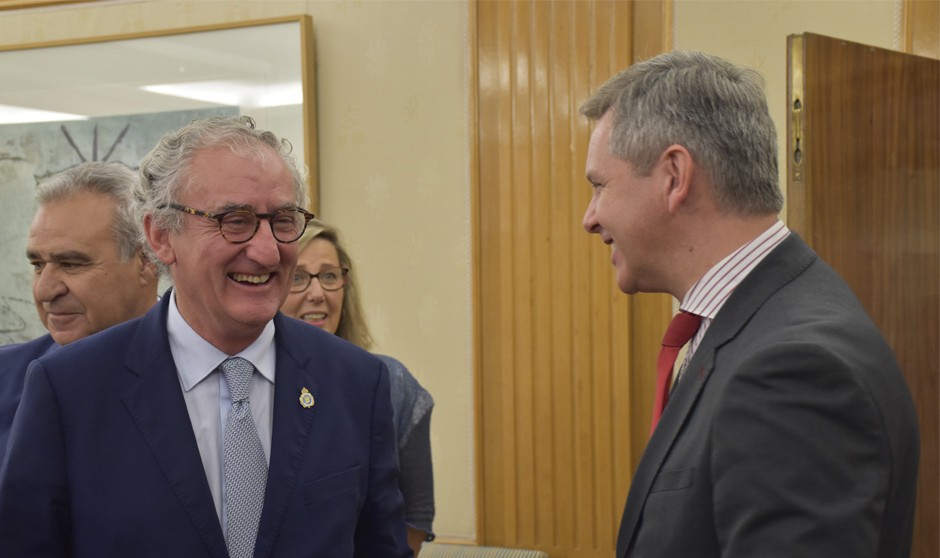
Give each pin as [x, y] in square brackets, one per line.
[235, 427]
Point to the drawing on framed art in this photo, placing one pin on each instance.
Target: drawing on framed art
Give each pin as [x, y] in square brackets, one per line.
[112, 98]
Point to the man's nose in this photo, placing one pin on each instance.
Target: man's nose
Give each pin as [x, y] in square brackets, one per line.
[48, 284]
[589, 221]
[263, 247]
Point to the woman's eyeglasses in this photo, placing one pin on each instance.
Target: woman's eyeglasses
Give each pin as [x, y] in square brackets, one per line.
[331, 279]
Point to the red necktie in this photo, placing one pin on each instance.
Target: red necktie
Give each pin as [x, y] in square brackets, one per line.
[682, 327]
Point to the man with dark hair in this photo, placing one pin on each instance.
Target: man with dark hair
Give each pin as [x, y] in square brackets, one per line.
[90, 270]
[788, 429]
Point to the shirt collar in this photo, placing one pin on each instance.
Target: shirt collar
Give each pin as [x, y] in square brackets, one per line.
[196, 358]
[708, 294]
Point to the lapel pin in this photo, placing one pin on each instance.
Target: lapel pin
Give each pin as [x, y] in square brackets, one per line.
[306, 398]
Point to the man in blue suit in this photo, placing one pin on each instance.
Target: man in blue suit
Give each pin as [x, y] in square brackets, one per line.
[213, 425]
[90, 268]
[790, 430]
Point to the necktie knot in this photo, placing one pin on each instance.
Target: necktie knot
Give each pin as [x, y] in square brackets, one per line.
[237, 373]
[682, 327]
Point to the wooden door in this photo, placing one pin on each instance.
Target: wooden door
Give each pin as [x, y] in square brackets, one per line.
[863, 179]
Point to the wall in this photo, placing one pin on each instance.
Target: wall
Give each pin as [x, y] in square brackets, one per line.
[394, 175]
[754, 34]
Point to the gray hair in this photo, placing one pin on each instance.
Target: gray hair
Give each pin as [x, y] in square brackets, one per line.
[111, 179]
[164, 172]
[716, 110]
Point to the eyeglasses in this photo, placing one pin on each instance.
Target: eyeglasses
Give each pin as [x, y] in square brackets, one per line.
[331, 279]
[241, 225]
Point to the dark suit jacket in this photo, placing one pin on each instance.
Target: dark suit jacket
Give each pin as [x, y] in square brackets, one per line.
[103, 462]
[14, 360]
[791, 433]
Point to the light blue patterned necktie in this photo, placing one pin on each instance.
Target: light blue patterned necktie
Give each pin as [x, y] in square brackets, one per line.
[245, 467]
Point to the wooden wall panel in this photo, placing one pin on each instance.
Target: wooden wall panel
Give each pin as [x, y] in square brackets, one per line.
[565, 360]
[865, 194]
[921, 27]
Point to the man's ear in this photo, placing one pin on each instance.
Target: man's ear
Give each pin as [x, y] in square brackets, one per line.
[677, 167]
[159, 240]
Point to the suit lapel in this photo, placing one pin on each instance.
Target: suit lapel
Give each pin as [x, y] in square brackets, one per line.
[778, 269]
[155, 402]
[291, 428]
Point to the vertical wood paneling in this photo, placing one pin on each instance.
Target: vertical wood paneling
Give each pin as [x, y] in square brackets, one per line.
[566, 264]
[496, 472]
[522, 268]
[542, 315]
[558, 362]
[595, 320]
[921, 27]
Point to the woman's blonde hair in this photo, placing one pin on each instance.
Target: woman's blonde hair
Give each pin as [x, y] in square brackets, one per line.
[352, 321]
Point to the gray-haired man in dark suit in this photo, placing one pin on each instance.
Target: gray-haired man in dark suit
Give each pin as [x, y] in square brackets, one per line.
[790, 430]
[90, 269]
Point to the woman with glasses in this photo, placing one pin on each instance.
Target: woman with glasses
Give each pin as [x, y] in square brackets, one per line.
[324, 294]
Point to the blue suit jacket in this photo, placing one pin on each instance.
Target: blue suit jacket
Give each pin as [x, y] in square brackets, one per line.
[102, 460]
[791, 432]
[14, 360]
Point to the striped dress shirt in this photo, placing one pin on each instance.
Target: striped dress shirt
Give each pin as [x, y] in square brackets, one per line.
[709, 294]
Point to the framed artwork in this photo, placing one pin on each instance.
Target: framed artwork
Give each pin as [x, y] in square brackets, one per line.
[112, 98]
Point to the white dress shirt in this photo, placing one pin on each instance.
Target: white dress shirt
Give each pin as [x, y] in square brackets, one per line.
[207, 397]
